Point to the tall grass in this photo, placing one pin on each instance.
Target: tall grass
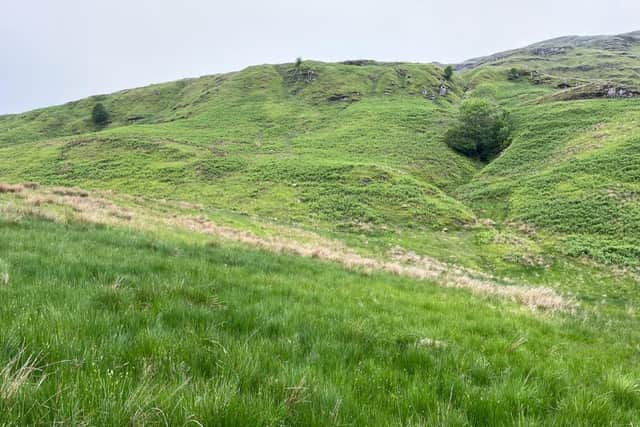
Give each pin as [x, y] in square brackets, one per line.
[103, 326]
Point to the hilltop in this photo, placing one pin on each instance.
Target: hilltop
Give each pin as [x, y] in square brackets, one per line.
[573, 57]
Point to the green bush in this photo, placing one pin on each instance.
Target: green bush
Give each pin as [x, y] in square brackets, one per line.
[514, 74]
[481, 130]
[99, 115]
[448, 72]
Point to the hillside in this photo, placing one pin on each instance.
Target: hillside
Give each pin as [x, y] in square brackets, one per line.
[573, 167]
[574, 58]
[356, 147]
[296, 244]
[314, 140]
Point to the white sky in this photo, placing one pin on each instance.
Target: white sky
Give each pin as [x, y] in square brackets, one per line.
[53, 51]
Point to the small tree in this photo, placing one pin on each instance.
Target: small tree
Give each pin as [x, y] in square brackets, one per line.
[99, 115]
[514, 74]
[482, 130]
[298, 62]
[448, 72]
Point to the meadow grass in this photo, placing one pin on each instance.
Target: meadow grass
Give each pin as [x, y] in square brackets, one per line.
[104, 326]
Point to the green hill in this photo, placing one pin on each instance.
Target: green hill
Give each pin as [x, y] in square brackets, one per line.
[573, 59]
[296, 244]
[334, 144]
[358, 146]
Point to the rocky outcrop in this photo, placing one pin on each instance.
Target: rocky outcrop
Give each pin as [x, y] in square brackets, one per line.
[616, 44]
[621, 92]
[359, 62]
[594, 91]
[301, 75]
[548, 51]
[341, 97]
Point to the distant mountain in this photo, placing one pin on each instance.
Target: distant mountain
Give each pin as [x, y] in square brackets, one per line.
[615, 58]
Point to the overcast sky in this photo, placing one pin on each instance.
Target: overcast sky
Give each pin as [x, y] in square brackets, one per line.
[57, 51]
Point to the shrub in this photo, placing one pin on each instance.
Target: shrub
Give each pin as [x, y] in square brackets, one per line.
[514, 74]
[481, 130]
[448, 72]
[99, 115]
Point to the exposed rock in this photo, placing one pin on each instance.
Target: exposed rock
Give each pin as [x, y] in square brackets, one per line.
[594, 90]
[537, 78]
[444, 91]
[402, 73]
[621, 92]
[310, 76]
[301, 74]
[341, 97]
[558, 46]
[548, 51]
[622, 42]
[360, 62]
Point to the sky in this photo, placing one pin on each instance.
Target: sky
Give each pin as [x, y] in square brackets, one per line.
[53, 52]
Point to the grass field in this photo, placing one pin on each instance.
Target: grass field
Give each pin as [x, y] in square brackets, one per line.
[296, 245]
[107, 327]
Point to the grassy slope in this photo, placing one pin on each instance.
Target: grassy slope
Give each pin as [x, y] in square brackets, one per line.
[574, 59]
[574, 166]
[266, 142]
[263, 142]
[230, 336]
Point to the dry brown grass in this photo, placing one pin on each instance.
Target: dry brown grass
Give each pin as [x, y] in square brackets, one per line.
[4, 273]
[18, 372]
[39, 200]
[404, 264]
[11, 188]
[296, 394]
[68, 191]
[92, 209]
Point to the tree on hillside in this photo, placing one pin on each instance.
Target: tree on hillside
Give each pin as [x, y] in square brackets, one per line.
[298, 62]
[482, 130]
[514, 74]
[99, 115]
[448, 72]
